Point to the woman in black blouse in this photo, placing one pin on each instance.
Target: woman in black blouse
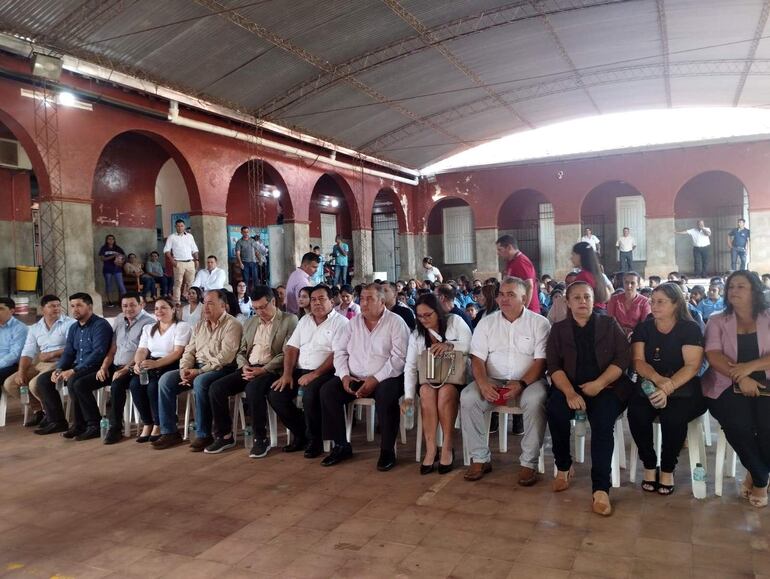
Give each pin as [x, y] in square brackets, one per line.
[667, 350]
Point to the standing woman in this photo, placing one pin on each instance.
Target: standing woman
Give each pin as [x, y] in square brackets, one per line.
[584, 257]
[244, 303]
[191, 313]
[629, 308]
[586, 355]
[440, 332]
[160, 348]
[113, 258]
[735, 385]
[668, 351]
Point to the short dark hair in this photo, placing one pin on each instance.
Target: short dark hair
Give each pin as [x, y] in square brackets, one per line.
[447, 291]
[322, 287]
[654, 278]
[154, 253]
[214, 257]
[316, 247]
[262, 291]
[347, 288]
[244, 227]
[222, 295]
[310, 256]
[178, 221]
[48, 298]
[132, 296]
[505, 240]
[82, 296]
[8, 302]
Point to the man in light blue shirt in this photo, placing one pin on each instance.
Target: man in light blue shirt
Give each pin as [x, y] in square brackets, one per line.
[42, 349]
[13, 333]
[340, 254]
[713, 303]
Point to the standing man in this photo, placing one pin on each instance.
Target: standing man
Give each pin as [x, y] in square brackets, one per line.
[591, 240]
[87, 344]
[318, 276]
[507, 351]
[212, 277]
[246, 252]
[182, 252]
[340, 254]
[42, 349]
[300, 278]
[520, 266]
[701, 240]
[13, 335]
[369, 358]
[626, 246]
[738, 241]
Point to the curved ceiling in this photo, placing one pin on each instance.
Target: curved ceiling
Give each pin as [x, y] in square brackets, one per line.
[414, 81]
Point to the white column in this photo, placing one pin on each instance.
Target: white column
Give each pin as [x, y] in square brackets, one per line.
[661, 247]
[410, 258]
[759, 249]
[567, 235]
[362, 255]
[487, 261]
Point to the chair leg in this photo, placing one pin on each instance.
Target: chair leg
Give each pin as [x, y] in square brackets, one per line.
[694, 445]
[719, 467]
[502, 431]
[272, 420]
[127, 414]
[615, 469]
[349, 421]
[3, 408]
[188, 407]
[418, 442]
[541, 461]
[620, 440]
[370, 417]
[632, 460]
[706, 418]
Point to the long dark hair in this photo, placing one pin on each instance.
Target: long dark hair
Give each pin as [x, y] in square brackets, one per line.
[489, 292]
[174, 319]
[431, 301]
[758, 303]
[590, 263]
[673, 292]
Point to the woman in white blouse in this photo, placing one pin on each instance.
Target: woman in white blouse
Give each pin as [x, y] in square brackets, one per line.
[160, 348]
[244, 303]
[191, 313]
[441, 332]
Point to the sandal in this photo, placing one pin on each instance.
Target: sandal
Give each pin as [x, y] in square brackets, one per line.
[651, 486]
[758, 502]
[665, 490]
[562, 480]
[746, 487]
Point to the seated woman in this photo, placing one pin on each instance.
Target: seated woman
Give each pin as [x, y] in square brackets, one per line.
[191, 313]
[586, 355]
[160, 348]
[244, 302]
[440, 332]
[667, 349]
[735, 385]
[630, 307]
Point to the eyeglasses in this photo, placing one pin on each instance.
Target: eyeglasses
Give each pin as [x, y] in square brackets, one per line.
[425, 316]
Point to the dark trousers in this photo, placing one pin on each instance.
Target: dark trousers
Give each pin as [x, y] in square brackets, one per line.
[285, 406]
[746, 422]
[146, 397]
[602, 411]
[118, 389]
[386, 395]
[54, 410]
[311, 402]
[256, 398]
[673, 427]
[6, 373]
[700, 254]
[626, 261]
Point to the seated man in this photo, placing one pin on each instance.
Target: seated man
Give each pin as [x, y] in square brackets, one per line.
[446, 296]
[154, 269]
[13, 335]
[392, 303]
[208, 356]
[260, 360]
[507, 351]
[308, 363]
[42, 349]
[133, 270]
[369, 358]
[212, 277]
[87, 343]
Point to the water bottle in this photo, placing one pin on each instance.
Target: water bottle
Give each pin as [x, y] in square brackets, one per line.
[409, 417]
[191, 428]
[144, 376]
[248, 437]
[580, 422]
[24, 394]
[699, 481]
[300, 392]
[104, 425]
[648, 387]
[62, 386]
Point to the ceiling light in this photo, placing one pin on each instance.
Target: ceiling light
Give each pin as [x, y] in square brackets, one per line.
[276, 193]
[67, 99]
[46, 66]
[335, 203]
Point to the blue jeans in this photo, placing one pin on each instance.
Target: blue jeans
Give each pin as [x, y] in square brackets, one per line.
[118, 278]
[737, 254]
[626, 261]
[250, 274]
[169, 387]
[340, 274]
[149, 285]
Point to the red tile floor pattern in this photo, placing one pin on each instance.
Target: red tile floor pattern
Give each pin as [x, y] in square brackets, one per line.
[82, 509]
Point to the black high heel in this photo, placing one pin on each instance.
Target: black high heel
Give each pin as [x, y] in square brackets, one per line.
[445, 468]
[651, 486]
[429, 468]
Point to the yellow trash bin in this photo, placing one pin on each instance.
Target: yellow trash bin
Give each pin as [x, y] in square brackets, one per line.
[26, 278]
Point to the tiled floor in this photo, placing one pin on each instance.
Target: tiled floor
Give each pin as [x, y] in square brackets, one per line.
[82, 509]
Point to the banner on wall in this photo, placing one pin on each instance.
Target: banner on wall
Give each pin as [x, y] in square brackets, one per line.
[184, 217]
[234, 234]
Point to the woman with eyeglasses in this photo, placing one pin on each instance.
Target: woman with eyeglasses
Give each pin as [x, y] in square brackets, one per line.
[440, 333]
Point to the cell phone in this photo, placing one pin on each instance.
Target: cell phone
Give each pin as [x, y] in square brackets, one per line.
[355, 385]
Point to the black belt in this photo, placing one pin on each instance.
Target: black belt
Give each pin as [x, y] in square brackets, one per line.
[184, 260]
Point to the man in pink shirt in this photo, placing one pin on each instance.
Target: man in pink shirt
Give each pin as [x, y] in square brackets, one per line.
[519, 265]
[300, 278]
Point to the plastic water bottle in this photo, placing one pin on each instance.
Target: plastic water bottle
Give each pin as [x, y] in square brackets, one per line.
[580, 422]
[699, 481]
[104, 425]
[24, 394]
[409, 417]
[300, 392]
[191, 428]
[648, 387]
[61, 385]
[144, 376]
[248, 437]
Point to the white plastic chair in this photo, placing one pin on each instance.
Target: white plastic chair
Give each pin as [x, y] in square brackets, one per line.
[618, 450]
[3, 407]
[439, 431]
[724, 451]
[368, 404]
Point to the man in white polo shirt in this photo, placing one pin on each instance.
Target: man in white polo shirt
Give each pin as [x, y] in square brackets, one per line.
[212, 277]
[181, 249]
[701, 240]
[507, 352]
[308, 363]
[626, 246]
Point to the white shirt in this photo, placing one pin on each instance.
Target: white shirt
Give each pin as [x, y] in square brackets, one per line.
[182, 247]
[626, 243]
[509, 348]
[591, 240]
[700, 238]
[380, 353]
[41, 340]
[431, 274]
[194, 317]
[457, 332]
[354, 308]
[315, 341]
[161, 345]
[209, 280]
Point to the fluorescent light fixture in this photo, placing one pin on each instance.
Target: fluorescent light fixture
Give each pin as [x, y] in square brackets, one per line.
[335, 203]
[67, 99]
[276, 193]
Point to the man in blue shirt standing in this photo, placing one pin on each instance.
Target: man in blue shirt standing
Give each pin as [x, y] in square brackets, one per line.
[13, 334]
[88, 342]
[340, 254]
[738, 241]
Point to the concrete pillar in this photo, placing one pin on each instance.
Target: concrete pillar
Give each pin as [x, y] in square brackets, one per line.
[661, 247]
[487, 261]
[362, 254]
[295, 242]
[567, 235]
[759, 250]
[409, 256]
[210, 233]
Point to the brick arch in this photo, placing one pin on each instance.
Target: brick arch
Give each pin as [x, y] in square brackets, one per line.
[389, 195]
[522, 203]
[444, 201]
[30, 147]
[239, 207]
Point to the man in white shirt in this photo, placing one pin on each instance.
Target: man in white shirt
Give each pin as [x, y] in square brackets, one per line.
[508, 360]
[181, 249]
[592, 240]
[212, 277]
[300, 278]
[701, 240]
[308, 363]
[430, 271]
[369, 358]
[626, 246]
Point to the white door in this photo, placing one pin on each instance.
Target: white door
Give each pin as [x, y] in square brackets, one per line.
[547, 239]
[459, 238]
[630, 212]
[328, 232]
[385, 247]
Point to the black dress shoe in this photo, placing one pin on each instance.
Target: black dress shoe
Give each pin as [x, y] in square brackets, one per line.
[73, 432]
[89, 433]
[296, 445]
[114, 435]
[36, 419]
[387, 460]
[338, 454]
[313, 449]
[52, 428]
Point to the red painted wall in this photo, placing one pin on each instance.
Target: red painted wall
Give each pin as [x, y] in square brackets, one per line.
[327, 186]
[707, 195]
[521, 205]
[239, 207]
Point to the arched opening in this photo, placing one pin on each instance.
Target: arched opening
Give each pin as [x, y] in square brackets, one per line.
[528, 216]
[262, 208]
[606, 210]
[331, 214]
[451, 239]
[388, 222]
[719, 199]
[141, 186]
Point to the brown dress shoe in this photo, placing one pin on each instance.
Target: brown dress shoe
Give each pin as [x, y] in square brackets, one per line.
[601, 504]
[167, 441]
[199, 444]
[527, 476]
[477, 470]
[562, 480]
